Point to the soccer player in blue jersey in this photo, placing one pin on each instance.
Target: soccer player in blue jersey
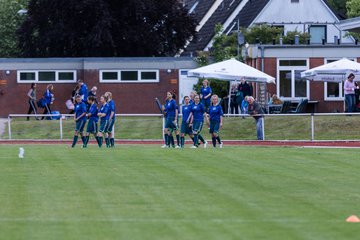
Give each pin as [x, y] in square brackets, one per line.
[93, 120]
[104, 115]
[197, 120]
[216, 120]
[171, 114]
[83, 90]
[110, 142]
[80, 120]
[48, 96]
[185, 128]
[205, 94]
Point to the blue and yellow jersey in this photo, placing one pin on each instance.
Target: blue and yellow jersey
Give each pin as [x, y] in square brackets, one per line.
[186, 109]
[205, 91]
[215, 113]
[105, 109]
[111, 104]
[93, 110]
[198, 111]
[170, 108]
[80, 108]
[48, 96]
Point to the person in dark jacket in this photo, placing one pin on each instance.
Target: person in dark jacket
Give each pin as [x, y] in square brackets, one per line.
[257, 112]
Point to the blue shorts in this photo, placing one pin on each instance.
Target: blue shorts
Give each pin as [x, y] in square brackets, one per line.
[169, 123]
[185, 128]
[92, 126]
[103, 126]
[80, 124]
[197, 126]
[110, 125]
[214, 126]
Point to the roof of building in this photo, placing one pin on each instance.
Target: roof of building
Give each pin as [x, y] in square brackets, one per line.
[199, 7]
[206, 33]
[245, 17]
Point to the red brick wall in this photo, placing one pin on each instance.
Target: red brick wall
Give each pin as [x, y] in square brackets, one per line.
[129, 97]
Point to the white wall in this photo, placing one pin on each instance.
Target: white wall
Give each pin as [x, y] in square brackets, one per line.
[283, 11]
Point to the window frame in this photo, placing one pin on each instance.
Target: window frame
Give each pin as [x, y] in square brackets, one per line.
[139, 80]
[36, 80]
[292, 69]
[318, 26]
[341, 84]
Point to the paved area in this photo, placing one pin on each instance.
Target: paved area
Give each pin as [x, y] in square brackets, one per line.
[3, 122]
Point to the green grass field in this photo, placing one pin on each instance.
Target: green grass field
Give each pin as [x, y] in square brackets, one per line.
[144, 192]
[235, 128]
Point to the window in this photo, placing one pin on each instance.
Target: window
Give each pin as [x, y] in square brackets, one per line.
[46, 76]
[290, 85]
[27, 76]
[295, 1]
[129, 76]
[333, 91]
[317, 33]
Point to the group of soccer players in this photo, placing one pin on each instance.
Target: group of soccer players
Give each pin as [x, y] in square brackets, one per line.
[194, 111]
[88, 111]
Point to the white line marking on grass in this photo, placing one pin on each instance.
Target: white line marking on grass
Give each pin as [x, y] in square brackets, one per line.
[158, 220]
[339, 147]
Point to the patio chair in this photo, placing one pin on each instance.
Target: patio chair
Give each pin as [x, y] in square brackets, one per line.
[301, 107]
[285, 108]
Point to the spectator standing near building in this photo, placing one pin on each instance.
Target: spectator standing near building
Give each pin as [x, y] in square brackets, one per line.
[92, 92]
[257, 112]
[349, 91]
[49, 99]
[234, 105]
[32, 100]
[244, 89]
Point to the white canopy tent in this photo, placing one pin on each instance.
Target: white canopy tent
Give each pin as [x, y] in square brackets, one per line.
[231, 70]
[333, 72]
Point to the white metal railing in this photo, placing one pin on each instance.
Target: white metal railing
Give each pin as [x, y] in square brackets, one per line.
[61, 117]
[64, 116]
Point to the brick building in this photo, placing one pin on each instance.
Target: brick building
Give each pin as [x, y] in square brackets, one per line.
[134, 82]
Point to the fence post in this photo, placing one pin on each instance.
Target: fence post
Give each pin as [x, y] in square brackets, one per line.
[312, 127]
[9, 126]
[263, 126]
[61, 127]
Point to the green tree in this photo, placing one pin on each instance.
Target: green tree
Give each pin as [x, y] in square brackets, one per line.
[290, 36]
[84, 28]
[353, 8]
[224, 46]
[262, 33]
[10, 21]
[339, 6]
